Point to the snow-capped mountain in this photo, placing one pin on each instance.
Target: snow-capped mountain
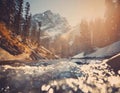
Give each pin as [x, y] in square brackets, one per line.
[107, 51]
[52, 24]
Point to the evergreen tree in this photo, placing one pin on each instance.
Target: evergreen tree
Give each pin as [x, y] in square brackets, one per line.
[113, 19]
[3, 12]
[39, 34]
[7, 9]
[27, 22]
[11, 14]
[85, 36]
[33, 34]
[98, 33]
[18, 16]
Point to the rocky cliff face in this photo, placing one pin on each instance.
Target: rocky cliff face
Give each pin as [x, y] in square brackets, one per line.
[52, 24]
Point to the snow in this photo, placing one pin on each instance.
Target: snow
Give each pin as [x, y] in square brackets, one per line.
[53, 24]
[107, 51]
[81, 55]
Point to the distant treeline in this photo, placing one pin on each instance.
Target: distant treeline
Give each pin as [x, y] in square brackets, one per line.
[98, 32]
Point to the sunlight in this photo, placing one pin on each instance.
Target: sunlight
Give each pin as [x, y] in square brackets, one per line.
[59, 46]
[74, 11]
[65, 37]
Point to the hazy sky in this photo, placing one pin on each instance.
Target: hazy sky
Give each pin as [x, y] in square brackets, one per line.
[73, 10]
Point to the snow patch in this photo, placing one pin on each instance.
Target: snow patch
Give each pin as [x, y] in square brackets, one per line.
[107, 51]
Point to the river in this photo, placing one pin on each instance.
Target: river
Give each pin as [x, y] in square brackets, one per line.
[57, 76]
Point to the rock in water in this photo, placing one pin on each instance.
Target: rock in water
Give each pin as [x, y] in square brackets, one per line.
[114, 63]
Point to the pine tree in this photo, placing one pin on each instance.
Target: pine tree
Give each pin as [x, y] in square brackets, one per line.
[26, 21]
[18, 16]
[85, 36]
[7, 10]
[3, 11]
[29, 24]
[34, 33]
[113, 19]
[39, 33]
[98, 33]
[11, 14]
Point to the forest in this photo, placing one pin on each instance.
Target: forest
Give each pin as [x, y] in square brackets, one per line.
[16, 16]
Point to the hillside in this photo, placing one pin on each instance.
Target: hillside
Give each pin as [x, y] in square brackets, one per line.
[12, 48]
[107, 51]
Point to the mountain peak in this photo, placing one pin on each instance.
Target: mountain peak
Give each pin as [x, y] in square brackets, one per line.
[52, 23]
[48, 12]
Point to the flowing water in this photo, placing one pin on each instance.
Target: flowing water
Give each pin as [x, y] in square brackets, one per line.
[57, 76]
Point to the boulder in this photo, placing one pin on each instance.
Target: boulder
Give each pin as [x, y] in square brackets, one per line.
[114, 63]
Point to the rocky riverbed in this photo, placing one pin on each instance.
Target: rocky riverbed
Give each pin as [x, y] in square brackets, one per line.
[57, 76]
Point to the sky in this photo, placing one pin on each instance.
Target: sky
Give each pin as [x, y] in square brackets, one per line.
[73, 10]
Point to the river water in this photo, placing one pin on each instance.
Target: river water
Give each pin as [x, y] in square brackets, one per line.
[57, 76]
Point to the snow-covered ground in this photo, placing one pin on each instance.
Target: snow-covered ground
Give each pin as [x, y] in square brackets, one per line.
[107, 51]
[57, 76]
